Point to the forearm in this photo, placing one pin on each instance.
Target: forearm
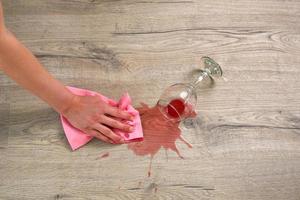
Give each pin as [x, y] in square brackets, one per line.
[20, 65]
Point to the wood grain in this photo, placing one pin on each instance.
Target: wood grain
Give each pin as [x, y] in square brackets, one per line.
[246, 138]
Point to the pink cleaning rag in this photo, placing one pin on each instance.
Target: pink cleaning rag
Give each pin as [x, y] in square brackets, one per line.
[77, 138]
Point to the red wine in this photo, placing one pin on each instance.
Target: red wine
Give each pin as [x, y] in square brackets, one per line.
[176, 108]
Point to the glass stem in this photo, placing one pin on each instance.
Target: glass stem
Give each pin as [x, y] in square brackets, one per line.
[203, 75]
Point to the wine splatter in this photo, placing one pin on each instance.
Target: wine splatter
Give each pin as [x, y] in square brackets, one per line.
[158, 133]
[103, 155]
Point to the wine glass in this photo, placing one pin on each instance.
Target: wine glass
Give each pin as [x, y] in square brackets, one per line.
[178, 101]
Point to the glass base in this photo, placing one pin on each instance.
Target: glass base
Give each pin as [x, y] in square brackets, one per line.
[211, 67]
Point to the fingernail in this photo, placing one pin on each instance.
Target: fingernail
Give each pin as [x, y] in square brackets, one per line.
[131, 129]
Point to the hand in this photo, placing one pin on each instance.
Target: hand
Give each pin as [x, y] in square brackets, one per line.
[95, 117]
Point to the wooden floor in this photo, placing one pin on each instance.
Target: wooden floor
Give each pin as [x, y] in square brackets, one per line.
[246, 139]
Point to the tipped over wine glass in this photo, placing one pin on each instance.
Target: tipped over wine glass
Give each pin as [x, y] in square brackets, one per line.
[179, 101]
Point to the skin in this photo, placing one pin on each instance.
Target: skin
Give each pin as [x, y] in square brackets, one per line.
[89, 114]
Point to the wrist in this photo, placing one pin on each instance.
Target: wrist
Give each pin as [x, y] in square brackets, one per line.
[69, 105]
[69, 102]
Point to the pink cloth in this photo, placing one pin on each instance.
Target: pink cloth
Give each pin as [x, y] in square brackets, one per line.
[77, 138]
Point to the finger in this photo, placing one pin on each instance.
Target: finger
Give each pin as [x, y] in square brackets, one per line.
[108, 133]
[112, 102]
[116, 124]
[100, 136]
[116, 112]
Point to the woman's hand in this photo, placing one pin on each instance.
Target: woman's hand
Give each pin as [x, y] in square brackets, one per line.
[89, 114]
[95, 117]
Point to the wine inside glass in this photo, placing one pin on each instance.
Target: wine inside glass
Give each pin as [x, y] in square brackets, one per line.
[178, 101]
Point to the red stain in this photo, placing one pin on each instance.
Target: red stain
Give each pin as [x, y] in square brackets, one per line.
[103, 155]
[158, 133]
